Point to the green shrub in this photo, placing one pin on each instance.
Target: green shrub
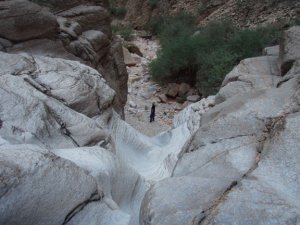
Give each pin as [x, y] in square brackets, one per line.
[297, 21]
[206, 56]
[153, 3]
[124, 31]
[118, 11]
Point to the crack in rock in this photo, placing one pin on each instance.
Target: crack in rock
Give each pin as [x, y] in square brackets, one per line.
[95, 197]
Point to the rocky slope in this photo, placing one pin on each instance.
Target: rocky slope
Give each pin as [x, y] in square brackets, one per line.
[241, 12]
[66, 156]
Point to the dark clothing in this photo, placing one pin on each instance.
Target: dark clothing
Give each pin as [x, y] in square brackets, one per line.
[152, 114]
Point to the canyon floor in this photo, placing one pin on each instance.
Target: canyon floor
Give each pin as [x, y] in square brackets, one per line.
[143, 91]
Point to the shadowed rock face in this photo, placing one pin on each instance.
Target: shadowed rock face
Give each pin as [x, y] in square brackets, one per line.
[75, 30]
[22, 20]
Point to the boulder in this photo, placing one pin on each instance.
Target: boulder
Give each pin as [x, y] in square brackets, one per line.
[23, 20]
[183, 89]
[5, 43]
[97, 39]
[172, 90]
[132, 48]
[163, 98]
[289, 48]
[89, 18]
[128, 59]
[132, 104]
[250, 74]
[193, 98]
[43, 47]
[180, 100]
[71, 28]
[271, 51]
[40, 187]
[52, 104]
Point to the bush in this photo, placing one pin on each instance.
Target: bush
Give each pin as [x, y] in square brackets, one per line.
[118, 11]
[124, 31]
[153, 3]
[204, 57]
[297, 21]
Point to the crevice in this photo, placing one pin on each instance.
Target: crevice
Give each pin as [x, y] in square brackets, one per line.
[273, 127]
[64, 130]
[228, 138]
[93, 198]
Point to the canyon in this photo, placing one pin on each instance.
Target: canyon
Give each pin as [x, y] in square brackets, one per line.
[69, 157]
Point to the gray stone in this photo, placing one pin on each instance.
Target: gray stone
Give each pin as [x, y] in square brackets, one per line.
[23, 20]
[172, 90]
[89, 18]
[163, 98]
[97, 39]
[43, 47]
[183, 89]
[250, 74]
[69, 27]
[193, 98]
[41, 99]
[39, 187]
[132, 104]
[132, 48]
[289, 48]
[128, 59]
[271, 51]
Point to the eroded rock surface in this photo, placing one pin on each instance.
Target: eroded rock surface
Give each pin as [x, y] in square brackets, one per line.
[241, 164]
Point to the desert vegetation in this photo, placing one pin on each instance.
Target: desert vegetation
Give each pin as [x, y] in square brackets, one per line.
[204, 55]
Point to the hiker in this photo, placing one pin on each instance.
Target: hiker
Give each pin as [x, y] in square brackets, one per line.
[152, 114]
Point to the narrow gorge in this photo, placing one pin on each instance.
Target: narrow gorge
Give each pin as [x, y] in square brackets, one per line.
[76, 146]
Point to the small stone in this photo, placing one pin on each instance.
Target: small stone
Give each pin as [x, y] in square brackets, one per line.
[132, 104]
[193, 98]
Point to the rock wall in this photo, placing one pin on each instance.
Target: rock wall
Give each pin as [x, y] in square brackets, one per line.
[242, 164]
[75, 30]
[241, 12]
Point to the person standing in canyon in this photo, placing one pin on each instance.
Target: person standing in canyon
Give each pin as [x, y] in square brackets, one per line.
[152, 114]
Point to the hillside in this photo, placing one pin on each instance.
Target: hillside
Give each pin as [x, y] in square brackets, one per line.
[242, 12]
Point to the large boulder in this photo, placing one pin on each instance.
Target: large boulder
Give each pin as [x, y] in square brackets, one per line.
[89, 18]
[128, 59]
[172, 90]
[250, 74]
[289, 48]
[49, 101]
[38, 187]
[43, 47]
[23, 20]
